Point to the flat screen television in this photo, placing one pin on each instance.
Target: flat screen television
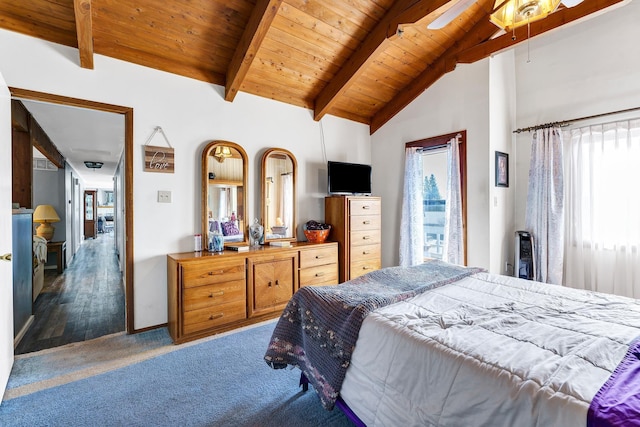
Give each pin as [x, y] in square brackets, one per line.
[349, 178]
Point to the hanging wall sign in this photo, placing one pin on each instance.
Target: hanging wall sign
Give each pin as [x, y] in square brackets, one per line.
[158, 159]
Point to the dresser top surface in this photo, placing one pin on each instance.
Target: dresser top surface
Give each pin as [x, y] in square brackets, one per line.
[260, 250]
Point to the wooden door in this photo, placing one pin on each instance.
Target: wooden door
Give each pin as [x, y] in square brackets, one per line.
[90, 220]
[6, 239]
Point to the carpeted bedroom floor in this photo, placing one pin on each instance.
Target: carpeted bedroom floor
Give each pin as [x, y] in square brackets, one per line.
[145, 380]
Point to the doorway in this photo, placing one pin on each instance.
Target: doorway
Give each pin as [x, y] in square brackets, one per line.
[125, 213]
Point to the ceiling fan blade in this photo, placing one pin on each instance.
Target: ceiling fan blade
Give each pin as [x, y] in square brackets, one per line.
[571, 3]
[451, 14]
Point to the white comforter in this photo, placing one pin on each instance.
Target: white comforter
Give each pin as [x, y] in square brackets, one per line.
[488, 350]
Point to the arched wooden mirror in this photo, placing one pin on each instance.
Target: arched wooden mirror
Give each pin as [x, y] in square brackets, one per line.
[224, 192]
[279, 201]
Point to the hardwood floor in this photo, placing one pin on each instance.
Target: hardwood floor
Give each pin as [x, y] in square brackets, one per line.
[85, 302]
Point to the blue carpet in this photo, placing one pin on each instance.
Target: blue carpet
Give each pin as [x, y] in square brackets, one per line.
[221, 382]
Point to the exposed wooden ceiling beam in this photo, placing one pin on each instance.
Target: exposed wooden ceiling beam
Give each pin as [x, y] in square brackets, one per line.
[44, 144]
[84, 31]
[254, 33]
[556, 19]
[414, 13]
[481, 32]
[402, 12]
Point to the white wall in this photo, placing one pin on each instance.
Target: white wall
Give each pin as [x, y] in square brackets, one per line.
[591, 68]
[458, 101]
[502, 88]
[191, 113]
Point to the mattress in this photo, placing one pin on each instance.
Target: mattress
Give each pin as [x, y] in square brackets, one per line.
[488, 350]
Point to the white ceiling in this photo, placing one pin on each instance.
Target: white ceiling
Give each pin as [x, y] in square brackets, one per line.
[82, 134]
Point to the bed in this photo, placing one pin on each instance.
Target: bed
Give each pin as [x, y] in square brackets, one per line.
[444, 345]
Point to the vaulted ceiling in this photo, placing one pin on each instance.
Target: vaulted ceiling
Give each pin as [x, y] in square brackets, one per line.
[363, 60]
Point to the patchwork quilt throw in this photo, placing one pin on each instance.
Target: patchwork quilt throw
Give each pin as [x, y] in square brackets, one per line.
[318, 329]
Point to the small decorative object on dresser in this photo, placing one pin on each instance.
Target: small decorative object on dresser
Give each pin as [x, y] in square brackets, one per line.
[256, 233]
[316, 232]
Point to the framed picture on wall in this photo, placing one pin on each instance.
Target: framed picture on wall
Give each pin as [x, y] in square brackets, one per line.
[502, 169]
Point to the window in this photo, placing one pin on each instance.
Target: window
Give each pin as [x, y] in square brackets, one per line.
[602, 231]
[434, 173]
[434, 198]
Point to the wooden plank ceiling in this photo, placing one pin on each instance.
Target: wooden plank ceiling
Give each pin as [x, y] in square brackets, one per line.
[362, 60]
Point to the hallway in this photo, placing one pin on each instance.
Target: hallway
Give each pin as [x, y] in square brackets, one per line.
[86, 301]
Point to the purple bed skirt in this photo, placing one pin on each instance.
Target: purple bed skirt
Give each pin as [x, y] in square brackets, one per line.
[304, 382]
[617, 403]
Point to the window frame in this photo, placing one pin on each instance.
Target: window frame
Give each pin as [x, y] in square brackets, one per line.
[442, 141]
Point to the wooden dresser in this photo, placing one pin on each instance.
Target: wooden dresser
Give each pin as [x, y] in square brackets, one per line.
[356, 225]
[210, 293]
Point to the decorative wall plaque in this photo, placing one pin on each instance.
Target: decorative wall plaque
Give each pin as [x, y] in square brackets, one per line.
[158, 159]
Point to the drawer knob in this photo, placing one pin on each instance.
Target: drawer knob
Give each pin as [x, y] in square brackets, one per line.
[366, 237]
[365, 252]
[277, 284]
[320, 274]
[216, 294]
[365, 207]
[366, 268]
[216, 316]
[269, 284]
[366, 222]
[318, 256]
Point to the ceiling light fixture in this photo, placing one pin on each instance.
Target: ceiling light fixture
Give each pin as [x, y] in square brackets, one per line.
[93, 165]
[511, 14]
[222, 153]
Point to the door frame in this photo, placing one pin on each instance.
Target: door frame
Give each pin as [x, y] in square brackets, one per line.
[127, 112]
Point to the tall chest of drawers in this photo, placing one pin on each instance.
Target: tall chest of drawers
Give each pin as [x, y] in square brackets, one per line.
[356, 225]
[210, 293]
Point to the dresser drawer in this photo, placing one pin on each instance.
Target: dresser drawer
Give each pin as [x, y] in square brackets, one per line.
[364, 206]
[365, 252]
[364, 222]
[362, 267]
[365, 237]
[212, 295]
[206, 272]
[318, 256]
[320, 275]
[205, 318]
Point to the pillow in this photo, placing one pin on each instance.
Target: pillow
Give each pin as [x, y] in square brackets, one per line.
[229, 229]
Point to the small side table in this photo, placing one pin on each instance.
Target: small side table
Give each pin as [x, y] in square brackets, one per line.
[60, 249]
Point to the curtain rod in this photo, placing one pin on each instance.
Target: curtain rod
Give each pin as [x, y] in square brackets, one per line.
[568, 122]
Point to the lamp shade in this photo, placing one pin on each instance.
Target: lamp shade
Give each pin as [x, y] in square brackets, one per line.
[45, 215]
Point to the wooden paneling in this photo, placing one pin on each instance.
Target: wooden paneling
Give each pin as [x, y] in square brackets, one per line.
[22, 168]
[360, 59]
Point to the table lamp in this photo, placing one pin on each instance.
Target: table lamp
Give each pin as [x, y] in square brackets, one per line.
[45, 215]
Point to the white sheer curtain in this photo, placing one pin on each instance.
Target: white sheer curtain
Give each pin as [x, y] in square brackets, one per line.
[286, 201]
[603, 210]
[453, 251]
[411, 223]
[545, 204]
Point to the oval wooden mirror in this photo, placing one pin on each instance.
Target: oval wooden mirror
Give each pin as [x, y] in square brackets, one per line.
[224, 192]
[279, 201]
